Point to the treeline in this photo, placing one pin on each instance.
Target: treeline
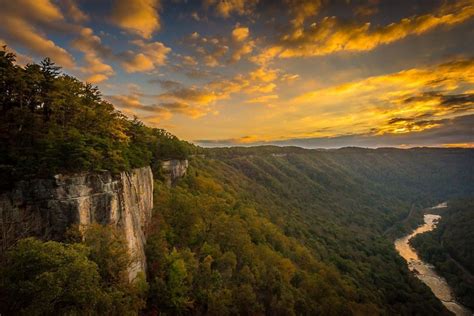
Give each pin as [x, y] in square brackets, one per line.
[450, 248]
[53, 123]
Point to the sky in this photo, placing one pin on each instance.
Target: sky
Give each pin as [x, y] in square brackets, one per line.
[311, 73]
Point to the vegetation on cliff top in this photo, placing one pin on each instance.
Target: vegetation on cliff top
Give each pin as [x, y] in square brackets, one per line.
[53, 123]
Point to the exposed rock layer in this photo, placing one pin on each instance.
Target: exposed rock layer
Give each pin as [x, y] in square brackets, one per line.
[174, 169]
[50, 206]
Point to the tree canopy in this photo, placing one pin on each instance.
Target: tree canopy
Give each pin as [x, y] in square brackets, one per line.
[53, 123]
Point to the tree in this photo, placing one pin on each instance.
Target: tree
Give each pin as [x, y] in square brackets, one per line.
[51, 278]
[108, 249]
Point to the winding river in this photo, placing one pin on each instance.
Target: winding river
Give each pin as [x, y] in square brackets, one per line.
[426, 272]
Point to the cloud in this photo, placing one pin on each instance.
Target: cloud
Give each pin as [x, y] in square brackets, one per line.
[242, 50]
[263, 99]
[240, 33]
[150, 56]
[447, 133]
[189, 60]
[180, 103]
[264, 74]
[34, 11]
[21, 23]
[91, 46]
[241, 46]
[139, 17]
[73, 11]
[20, 32]
[190, 94]
[225, 8]
[214, 51]
[332, 35]
[397, 103]
[131, 105]
[290, 77]
[21, 59]
[167, 84]
[209, 50]
[302, 9]
[367, 9]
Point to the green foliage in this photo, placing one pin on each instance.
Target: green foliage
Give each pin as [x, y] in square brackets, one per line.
[53, 278]
[109, 251]
[53, 123]
[450, 248]
[293, 231]
[46, 278]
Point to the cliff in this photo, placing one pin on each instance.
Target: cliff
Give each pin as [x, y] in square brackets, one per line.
[174, 169]
[47, 207]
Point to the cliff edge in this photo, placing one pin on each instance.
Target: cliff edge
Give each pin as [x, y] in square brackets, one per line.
[47, 207]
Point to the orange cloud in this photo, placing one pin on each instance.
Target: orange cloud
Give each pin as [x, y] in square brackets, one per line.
[19, 31]
[407, 101]
[138, 17]
[240, 33]
[332, 35]
[20, 25]
[91, 46]
[150, 56]
[225, 8]
[263, 99]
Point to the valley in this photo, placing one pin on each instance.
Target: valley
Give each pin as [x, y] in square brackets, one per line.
[426, 272]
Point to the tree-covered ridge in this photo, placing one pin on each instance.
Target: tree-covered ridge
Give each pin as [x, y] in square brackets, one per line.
[450, 248]
[53, 123]
[324, 213]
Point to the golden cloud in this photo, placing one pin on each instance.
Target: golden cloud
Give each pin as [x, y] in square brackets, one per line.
[131, 104]
[139, 17]
[263, 99]
[303, 9]
[24, 34]
[225, 8]
[20, 25]
[151, 56]
[332, 35]
[240, 33]
[90, 45]
[407, 101]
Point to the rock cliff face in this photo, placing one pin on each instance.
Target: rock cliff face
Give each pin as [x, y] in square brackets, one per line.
[174, 169]
[50, 206]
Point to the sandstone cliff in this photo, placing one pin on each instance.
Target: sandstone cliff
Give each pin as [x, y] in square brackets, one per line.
[174, 169]
[47, 207]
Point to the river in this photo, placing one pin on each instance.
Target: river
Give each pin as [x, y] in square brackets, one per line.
[426, 272]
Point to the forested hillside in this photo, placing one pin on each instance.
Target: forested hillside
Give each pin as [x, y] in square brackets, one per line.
[450, 248]
[264, 230]
[296, 230]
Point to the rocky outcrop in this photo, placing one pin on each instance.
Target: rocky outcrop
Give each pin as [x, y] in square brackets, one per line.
[174, 169]
[49, 206]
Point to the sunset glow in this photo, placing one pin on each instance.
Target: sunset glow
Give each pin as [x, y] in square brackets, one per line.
[310, 73]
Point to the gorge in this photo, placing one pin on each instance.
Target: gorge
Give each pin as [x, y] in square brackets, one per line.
[426, 272]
